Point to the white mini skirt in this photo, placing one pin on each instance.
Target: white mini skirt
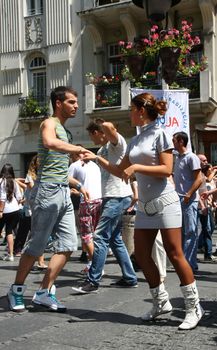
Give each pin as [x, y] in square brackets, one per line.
[170, 217]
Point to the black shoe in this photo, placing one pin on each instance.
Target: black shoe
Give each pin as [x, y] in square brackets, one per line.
[124, 284]
[211, 258]
[86, 288]
[215, 253]
[83, 257]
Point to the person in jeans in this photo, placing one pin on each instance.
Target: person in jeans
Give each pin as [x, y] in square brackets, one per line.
[188, 179]
[206, 217]
[52, 210]
[116, 198]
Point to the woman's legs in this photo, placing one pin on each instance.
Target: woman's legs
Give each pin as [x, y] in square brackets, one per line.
[172, 241]
[144, 241]
[172, 244]
[10, 241]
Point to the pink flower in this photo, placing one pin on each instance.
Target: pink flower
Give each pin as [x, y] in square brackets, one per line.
[155, 36]
[121, 43]
[146, 41]
[154, 28]
[129, 45]
[196, 40]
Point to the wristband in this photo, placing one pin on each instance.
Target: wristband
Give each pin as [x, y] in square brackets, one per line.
[78, 186]
[97, 159]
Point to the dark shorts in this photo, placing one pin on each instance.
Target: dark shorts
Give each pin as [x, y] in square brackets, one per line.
[10, 221]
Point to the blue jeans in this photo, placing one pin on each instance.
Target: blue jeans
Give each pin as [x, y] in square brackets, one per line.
[108, 233]
[189, 232]
[207, 229]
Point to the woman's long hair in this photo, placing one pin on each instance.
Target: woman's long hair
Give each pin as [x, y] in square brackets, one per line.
[33, 167]
[7, 175]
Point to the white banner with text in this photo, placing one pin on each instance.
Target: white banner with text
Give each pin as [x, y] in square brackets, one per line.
[177, 115]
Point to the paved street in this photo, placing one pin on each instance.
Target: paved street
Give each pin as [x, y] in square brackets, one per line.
[107, 320]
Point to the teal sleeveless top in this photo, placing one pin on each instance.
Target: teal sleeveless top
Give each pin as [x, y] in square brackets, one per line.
[53, 165]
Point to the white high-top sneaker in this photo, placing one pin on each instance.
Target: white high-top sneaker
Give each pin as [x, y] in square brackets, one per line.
[161, 303]
[15, 297]
[194, 311]
[47, 298]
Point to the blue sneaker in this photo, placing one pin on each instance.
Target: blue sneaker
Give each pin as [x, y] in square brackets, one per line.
[15, 298]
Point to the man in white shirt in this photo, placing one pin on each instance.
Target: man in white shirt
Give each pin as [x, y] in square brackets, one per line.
[116, 196]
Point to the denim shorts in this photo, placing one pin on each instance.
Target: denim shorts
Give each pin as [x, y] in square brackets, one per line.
[52, 215]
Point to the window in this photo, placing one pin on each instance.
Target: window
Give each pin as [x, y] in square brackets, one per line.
[114, 58]
[34, 7]
[37, 77]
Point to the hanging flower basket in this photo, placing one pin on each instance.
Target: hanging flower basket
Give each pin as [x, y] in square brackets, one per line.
[136, 65]
[169, 57]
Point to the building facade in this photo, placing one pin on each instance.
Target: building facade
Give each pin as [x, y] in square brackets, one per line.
[46, 43]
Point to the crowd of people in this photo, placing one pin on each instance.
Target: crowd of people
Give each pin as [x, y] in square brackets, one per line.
[173, 200]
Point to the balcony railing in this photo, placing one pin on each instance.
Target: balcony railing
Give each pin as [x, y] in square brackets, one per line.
[108, 95]
[190, 83]
[31, 108]
[118, 95]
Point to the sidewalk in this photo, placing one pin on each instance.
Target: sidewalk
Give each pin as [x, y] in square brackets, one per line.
[107, 320]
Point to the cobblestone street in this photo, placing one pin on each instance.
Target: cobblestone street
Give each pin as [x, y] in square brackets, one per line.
[107, 320]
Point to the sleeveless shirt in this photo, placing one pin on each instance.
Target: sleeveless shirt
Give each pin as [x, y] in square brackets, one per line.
[53, 165]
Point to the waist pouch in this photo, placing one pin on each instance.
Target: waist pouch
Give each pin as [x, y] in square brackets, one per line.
[156, 205]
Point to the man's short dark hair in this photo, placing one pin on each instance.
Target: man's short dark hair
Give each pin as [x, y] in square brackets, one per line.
[59, 94]
[93, 126]
[181, 136]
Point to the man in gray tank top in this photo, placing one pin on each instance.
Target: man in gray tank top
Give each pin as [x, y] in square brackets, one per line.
[52, 210]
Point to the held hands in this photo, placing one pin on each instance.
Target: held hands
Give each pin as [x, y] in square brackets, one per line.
[88, 155]
[80, 150]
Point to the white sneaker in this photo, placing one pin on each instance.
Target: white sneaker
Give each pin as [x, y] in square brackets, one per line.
[15, 298]
[47, 298]
[8, 258]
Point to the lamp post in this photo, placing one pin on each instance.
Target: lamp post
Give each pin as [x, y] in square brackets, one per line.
[157, 11]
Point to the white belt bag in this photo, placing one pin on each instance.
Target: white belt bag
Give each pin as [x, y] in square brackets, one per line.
[157, 205]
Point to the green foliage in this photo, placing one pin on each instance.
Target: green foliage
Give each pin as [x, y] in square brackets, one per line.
[30, 108]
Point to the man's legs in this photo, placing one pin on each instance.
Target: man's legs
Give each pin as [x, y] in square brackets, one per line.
[60, 221]
[56, 264]
[189, 233]
[109, 232]
[208, 235]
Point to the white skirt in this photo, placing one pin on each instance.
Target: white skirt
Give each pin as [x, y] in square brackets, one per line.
[170, 217]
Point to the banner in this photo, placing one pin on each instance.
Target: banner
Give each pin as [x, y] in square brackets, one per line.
[177, 115]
